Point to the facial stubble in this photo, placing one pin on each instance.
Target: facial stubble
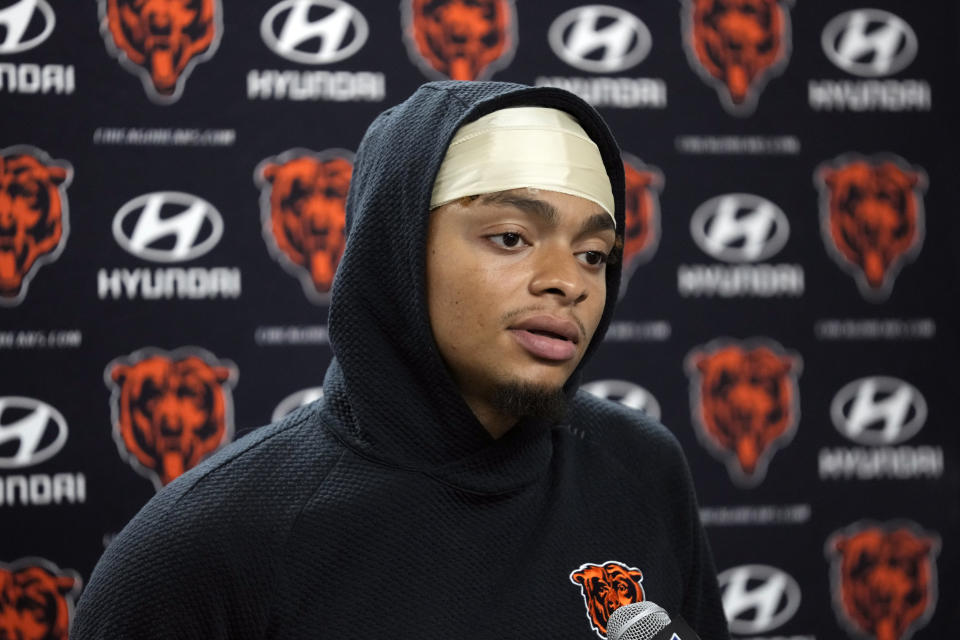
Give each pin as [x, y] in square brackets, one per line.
[522, 399]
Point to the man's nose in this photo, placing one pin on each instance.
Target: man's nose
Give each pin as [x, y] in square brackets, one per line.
[558, 273]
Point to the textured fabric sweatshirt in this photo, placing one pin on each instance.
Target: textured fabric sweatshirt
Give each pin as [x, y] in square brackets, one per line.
[386, 510]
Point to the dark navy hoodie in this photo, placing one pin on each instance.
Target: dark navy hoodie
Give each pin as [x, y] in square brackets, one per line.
[386, 510]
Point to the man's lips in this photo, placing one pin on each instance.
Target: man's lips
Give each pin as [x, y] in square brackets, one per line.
[547, 337]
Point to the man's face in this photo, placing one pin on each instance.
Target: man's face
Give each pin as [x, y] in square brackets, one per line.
[516, 287]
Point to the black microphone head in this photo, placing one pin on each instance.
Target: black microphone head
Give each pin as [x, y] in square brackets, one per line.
[637, 621]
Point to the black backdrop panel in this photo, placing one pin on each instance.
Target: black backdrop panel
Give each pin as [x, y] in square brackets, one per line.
[791, 259]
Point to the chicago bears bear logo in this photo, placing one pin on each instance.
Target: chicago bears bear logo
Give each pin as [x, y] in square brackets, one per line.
[883, 578]
[641, 235]
[745, 403]
[36, 599]
[170, 409]
[460, 39]
[303, 196]
[737, 46]
[161, 40]
[871, 217]
[607, 587]
[33, 216]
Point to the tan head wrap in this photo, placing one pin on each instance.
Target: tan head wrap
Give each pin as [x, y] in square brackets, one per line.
[523, 147]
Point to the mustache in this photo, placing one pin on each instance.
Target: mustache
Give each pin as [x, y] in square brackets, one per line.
[510, 316]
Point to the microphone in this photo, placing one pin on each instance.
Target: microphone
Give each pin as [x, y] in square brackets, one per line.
[647, 621]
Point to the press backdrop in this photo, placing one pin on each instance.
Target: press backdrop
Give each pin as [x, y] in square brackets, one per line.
[171, 215]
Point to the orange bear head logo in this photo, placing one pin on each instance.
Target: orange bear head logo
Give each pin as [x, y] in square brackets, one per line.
[161, 40]
[303, 208]
[745, 403]
[36, 600]
[871, 216]
[605, 588]
[460, 39]
[883, 578]
[33, 216]
[170, 410]
[737, 45]
[642, 227]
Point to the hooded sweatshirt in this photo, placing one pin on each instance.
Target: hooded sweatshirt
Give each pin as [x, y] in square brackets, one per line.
[386, 509]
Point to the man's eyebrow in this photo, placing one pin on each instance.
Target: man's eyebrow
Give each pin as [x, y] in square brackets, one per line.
[596, 223]
[548, 213]
[540, 208]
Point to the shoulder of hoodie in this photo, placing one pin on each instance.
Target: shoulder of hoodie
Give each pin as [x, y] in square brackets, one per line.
[265, 477]
[628, 436]
[213, 535]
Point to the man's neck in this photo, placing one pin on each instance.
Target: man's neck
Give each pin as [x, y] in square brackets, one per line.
[495, 422]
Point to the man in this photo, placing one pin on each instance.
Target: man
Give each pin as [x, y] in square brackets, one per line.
[452, 482]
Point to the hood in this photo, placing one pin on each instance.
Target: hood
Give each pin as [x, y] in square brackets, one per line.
[387, 393]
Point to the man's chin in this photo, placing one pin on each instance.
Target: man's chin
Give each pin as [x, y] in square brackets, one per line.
[529, 400]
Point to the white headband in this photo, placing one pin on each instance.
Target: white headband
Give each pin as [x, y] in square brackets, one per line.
[523, 147]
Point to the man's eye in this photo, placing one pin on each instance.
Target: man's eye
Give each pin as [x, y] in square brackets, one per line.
[507, 240]
[593, 258]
